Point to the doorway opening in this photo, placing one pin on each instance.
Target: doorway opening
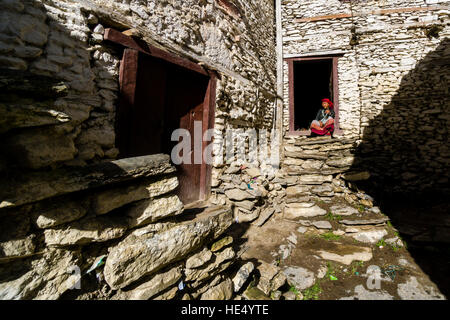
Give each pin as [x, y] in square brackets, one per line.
[160, 93]
[310, 81]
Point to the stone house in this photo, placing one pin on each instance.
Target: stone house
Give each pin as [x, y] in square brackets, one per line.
[92, 90]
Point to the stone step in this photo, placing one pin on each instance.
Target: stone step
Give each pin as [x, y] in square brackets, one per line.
[301, 155]
[323, 140]
[32, 187]
[299, 172]
[293, 211]
[360, 222]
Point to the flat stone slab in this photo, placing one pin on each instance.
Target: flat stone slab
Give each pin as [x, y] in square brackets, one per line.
[41, 185]
[106, 201]
[364, 222]
[299, 277]
[341, 162]
[141, 255]
[246, 204]
[297, 191]
[297, 210]
[85, 231]
[343, 210]
[264, 216]
[199, 259]
[22, 116]
[323, 140]
[239, 195]
[151, 210]
[36, 282]
[345, 254]
[301, 155]
[321, 224]
[152, 287]
[302, 230]
[413, 290]
[370, 236]
[222, 243]
[313, 179]
[362, 293]
[254, 293]
[222, 291]
[242, 275]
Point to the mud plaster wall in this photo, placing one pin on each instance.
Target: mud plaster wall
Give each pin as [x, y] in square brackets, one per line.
[393, 79]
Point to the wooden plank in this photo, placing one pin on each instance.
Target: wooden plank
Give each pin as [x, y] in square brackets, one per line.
[208, 123]
[291, 96]
[127, 41]
[127, 86]
[325, 17]
[336, 93]
[373, 12]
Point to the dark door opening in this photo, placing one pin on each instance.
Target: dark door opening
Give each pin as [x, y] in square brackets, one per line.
[310, 81]
[165, 97]
[313, 81]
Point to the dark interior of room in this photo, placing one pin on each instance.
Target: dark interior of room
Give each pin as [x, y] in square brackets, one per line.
[312, 83]
[167, 97]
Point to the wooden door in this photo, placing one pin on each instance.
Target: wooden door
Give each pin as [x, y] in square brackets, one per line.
[189, 175]
[158, 97]
[185, 104]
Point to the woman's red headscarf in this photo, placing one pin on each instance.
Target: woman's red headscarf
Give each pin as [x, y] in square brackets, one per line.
[329, 103]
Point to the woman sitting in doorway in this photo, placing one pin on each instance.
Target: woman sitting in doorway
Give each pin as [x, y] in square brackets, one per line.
[324, 122]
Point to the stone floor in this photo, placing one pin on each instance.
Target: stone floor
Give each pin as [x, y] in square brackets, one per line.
[331, 251]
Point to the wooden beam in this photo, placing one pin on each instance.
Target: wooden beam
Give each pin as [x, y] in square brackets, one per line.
[129, 42]
[208, 123]
[374, 12]
[127, 80]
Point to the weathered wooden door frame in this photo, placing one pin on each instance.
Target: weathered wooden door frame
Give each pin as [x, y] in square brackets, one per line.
[128, 78]
[290, 62]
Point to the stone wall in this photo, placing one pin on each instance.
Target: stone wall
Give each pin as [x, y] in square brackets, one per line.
[65, 201]
[64, 40]
[59, 44]
[392, 77]
[118, 226]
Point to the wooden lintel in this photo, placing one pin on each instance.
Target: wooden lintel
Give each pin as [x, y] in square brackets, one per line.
[374, 12]
[127, 41]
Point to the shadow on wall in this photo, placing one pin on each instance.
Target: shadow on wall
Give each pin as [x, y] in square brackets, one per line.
[56, 111]
[405, 147]
[57, 101]
[406, 150]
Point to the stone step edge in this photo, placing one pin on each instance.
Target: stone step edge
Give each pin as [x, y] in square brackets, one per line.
[324, 141]
[36, 186]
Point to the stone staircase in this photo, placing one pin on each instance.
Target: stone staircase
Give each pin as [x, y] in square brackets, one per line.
[328, 234]
[313, 167]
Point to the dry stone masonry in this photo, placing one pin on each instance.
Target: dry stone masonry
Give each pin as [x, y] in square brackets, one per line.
[137, 233]
[392, 80]
[71, 206]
